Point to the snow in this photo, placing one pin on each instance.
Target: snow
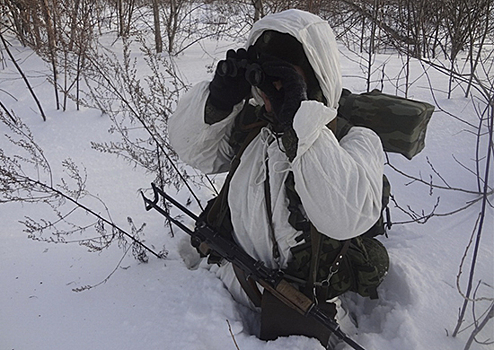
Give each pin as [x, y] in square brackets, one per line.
[164, 305]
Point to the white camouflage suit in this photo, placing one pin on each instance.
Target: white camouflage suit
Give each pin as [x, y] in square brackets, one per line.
[339, 184]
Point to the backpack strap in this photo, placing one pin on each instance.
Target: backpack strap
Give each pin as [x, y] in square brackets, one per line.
[316, 244]
[322, 288]
[313, 287]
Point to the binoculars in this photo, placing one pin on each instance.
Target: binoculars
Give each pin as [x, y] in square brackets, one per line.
[249, 66]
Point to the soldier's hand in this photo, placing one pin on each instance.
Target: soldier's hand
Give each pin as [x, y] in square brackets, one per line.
[285, 88]
[225, 91]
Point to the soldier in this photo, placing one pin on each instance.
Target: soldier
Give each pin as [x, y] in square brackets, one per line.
[285, 85]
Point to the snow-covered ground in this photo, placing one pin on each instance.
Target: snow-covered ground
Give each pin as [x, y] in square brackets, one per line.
[164, 305]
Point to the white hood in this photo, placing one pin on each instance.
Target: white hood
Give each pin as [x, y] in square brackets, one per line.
[318, 41]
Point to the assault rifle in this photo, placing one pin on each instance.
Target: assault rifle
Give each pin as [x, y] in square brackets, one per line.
[270, 279]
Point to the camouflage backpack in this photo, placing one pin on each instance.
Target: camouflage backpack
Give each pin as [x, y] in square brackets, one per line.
[400, 123]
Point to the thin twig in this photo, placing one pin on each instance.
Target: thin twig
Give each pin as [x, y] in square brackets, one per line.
[429, 184]
[481, 218]
[23, 77]
[462, 263]
[88, 210]
[8, 113]
[87, 287]
[479, 328]
[233, 336]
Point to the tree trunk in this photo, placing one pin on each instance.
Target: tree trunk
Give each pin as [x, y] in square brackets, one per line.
[51, 45]
[121, 17]
[258, 10]
[73, 24]
[157, 28]
[172, 24]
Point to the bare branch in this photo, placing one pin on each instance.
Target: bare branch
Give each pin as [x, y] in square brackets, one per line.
[23, 76]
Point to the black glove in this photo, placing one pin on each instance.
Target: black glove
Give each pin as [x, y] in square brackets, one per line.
[226, 91]
[285, 100]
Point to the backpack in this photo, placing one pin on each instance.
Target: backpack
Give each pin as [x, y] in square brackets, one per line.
[400, 123]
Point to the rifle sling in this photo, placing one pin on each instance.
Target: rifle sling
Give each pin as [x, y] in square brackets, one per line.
[267, 196]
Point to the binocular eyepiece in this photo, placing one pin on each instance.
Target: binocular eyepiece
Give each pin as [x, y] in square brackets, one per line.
[252, 70]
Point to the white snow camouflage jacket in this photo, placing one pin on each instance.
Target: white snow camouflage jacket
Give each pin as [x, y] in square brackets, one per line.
[340, 184]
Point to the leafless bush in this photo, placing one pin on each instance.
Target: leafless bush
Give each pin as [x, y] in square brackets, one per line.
[75, 215]
[139, 107]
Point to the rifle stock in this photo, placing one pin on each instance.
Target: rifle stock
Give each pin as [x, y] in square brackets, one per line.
[272, 280]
